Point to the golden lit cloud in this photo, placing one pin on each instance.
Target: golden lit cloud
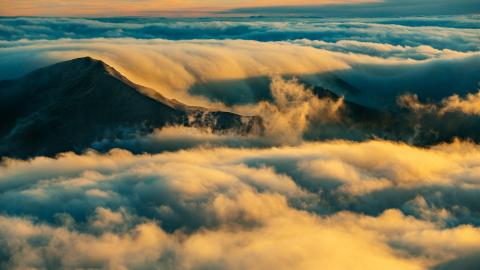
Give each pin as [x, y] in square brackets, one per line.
[205, 208]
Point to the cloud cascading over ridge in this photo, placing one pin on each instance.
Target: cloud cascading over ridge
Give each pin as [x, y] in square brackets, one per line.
[413, 53]
[433, 58]
[235, 75]
[234, 68]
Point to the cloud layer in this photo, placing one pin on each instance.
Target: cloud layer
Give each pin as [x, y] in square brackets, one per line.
[255, 78]
[378, 59]
[447, 32]
[237, 71]
[383, 204]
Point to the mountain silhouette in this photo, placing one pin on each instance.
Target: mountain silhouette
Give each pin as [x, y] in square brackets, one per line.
[70, 105]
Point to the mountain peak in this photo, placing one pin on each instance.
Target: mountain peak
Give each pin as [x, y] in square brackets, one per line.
[85, 63]
[85, 58]
[82, 62]
[72, 104]
[70, 70]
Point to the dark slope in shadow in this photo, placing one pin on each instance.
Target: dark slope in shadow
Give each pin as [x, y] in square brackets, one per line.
[70, 105]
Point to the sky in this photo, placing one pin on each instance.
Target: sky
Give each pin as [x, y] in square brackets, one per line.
[196, 8]
[143, 7]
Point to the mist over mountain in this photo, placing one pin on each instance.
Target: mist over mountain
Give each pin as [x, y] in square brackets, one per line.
[70, 105]
[408, 120]
[84, 103]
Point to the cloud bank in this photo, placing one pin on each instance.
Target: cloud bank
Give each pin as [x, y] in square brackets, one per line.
[381, 203]
[212, 72]
[448, 32]
[283, 82]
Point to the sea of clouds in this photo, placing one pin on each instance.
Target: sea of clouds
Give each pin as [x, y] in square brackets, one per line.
[183, 198]
[350, 205]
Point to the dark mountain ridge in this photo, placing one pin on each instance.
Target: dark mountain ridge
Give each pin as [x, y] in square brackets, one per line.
[70, 105]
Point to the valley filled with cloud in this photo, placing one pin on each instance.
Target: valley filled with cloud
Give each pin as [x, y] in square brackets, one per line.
[368, 155]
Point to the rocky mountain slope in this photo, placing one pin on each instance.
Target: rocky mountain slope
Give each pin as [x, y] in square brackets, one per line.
[70, 105]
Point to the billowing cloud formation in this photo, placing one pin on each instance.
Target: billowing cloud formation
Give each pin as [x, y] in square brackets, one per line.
[254, 78]
[173, 68]
[378, 203]
[293, 109]
[453, 116]
[217, 73]
[468, 105]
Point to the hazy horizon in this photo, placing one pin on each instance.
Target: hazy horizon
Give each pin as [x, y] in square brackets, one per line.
[215, 8]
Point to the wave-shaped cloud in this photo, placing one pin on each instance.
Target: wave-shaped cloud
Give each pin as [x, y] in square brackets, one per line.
[173, 67]
[236, 75]
[386, 204]
[231, 71]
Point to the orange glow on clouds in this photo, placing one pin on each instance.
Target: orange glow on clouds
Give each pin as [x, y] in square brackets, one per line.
[144, 7]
